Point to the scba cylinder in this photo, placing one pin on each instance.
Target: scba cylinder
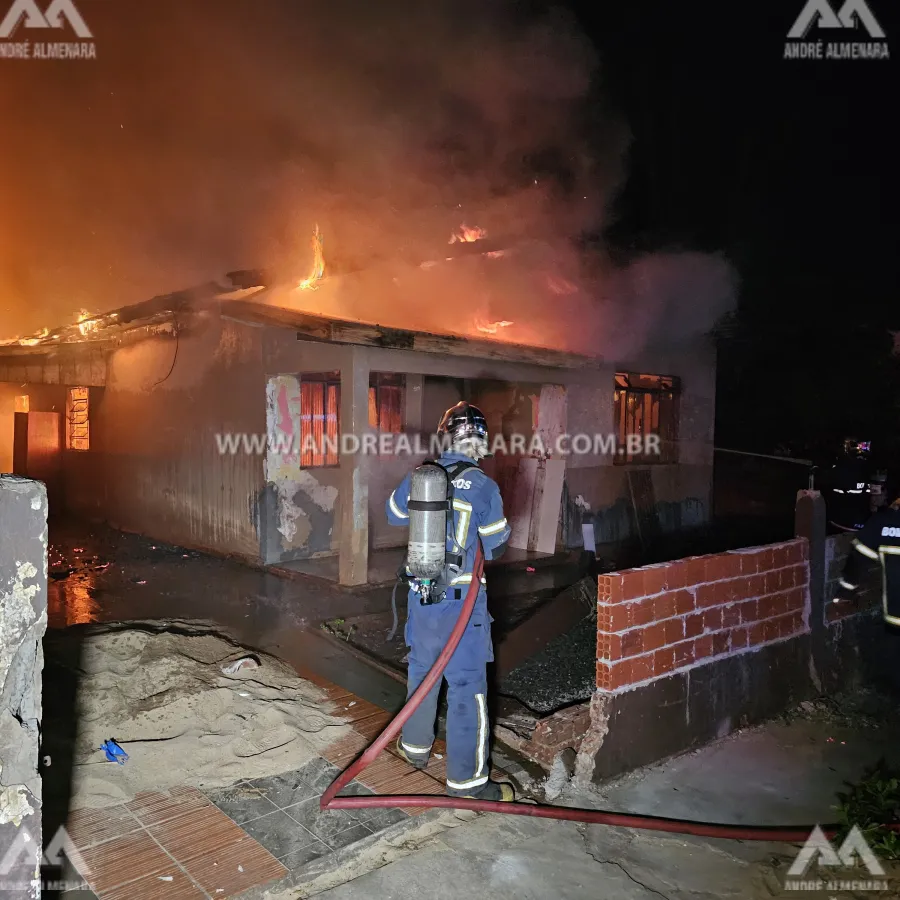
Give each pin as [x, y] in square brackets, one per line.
[427, 506]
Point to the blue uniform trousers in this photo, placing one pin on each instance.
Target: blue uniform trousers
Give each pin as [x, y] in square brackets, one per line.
[468, 731]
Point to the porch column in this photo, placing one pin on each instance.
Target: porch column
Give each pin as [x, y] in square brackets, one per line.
[413, 412]
[354, 521]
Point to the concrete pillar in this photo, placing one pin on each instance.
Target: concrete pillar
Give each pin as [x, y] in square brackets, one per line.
[354, 535]
[415, 392]
[810, 523]
[23, 621]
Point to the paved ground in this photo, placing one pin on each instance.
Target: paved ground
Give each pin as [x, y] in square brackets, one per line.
[781, 774]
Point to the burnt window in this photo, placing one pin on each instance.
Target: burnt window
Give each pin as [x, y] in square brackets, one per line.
[387, 396]
[320, 419]
[78, 426]
[646, 406]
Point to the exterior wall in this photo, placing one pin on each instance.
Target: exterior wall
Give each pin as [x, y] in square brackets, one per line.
[598, 491]
[23, 601]
[658, 620]
[691, 650]
[154, 465]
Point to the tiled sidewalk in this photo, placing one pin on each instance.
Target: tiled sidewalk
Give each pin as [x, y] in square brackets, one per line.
[222, 843]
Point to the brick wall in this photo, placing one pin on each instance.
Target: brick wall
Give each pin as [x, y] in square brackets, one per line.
[661, 619]
[837, 549]
[560, 731]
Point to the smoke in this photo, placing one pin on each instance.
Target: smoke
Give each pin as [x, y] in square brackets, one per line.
[216, 134]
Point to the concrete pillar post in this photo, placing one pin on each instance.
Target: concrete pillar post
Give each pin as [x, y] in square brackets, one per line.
[354, 524]
[414, 395]
[810, 523]
[23, 621]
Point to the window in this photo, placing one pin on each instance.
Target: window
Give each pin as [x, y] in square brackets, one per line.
[320, 417]
[386, 398]
[78, 426]
[22, 404]
[646, 405]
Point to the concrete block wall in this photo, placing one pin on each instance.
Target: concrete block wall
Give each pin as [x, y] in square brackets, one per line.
[23, 621]
[658, 620]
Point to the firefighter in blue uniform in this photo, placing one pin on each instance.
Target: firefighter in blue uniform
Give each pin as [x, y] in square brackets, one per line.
[477, 516]
[877, 544]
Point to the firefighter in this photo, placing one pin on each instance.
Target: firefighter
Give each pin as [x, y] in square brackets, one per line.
[850, 499]
[477, 515]
[878, 543]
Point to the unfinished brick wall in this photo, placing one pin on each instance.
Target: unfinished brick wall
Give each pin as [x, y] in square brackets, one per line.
[661, 619]
[559, 731]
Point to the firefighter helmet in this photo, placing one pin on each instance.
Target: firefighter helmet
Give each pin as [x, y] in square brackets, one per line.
[466, 428]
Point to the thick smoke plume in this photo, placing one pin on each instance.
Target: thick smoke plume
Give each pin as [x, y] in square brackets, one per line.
[215, 134]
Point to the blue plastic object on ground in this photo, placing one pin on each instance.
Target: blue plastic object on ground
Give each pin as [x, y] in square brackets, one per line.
[114, 753]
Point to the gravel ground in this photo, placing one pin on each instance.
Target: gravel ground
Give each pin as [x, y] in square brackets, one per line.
[561, 674]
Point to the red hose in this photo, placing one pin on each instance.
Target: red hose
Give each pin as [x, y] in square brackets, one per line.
[330, 800]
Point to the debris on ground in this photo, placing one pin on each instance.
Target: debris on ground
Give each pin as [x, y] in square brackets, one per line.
[179, 718]
[245, 662]
[857, 709]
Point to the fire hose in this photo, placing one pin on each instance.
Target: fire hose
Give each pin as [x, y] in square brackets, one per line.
[330, 800]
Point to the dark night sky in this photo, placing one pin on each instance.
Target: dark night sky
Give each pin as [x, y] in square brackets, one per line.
[789, 165]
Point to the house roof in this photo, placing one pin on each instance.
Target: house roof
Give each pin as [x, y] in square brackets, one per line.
[258, 304]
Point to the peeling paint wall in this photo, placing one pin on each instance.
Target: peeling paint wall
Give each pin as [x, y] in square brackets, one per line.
[303, 501]
[154, 465]
[23, 621]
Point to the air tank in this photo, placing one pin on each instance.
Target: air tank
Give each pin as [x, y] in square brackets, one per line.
[427, 549]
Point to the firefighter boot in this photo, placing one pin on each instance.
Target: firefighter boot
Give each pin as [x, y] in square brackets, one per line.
[416, 760]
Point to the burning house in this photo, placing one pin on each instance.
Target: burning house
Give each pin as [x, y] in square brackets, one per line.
[216, 418]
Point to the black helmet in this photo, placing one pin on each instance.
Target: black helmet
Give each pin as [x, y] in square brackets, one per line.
[463, 421]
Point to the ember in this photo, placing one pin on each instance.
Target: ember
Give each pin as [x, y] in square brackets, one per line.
[311, 282]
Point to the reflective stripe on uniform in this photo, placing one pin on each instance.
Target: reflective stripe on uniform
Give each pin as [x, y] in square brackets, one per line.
[482, 736]
[866, 551]
[493, 528]
[466, 579]
[462, 526]
[396, 509]
[847, 585]
[465, 785]
[409, 748]
[481, 776]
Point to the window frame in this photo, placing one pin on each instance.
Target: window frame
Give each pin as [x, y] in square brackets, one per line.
[666, 391]
[379, 381]
[329, 384]
[71, 412]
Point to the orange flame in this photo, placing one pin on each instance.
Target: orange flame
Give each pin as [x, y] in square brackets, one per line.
[492, 327]
[467, 235]
[86, 322]
[311, 282]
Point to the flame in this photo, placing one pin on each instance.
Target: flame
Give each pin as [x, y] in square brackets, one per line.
[492, 327]
[311, 283]
[34, 341]
[87, 324]
[467, 235]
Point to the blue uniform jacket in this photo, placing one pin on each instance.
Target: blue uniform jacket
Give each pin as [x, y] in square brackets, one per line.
[477, 514]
